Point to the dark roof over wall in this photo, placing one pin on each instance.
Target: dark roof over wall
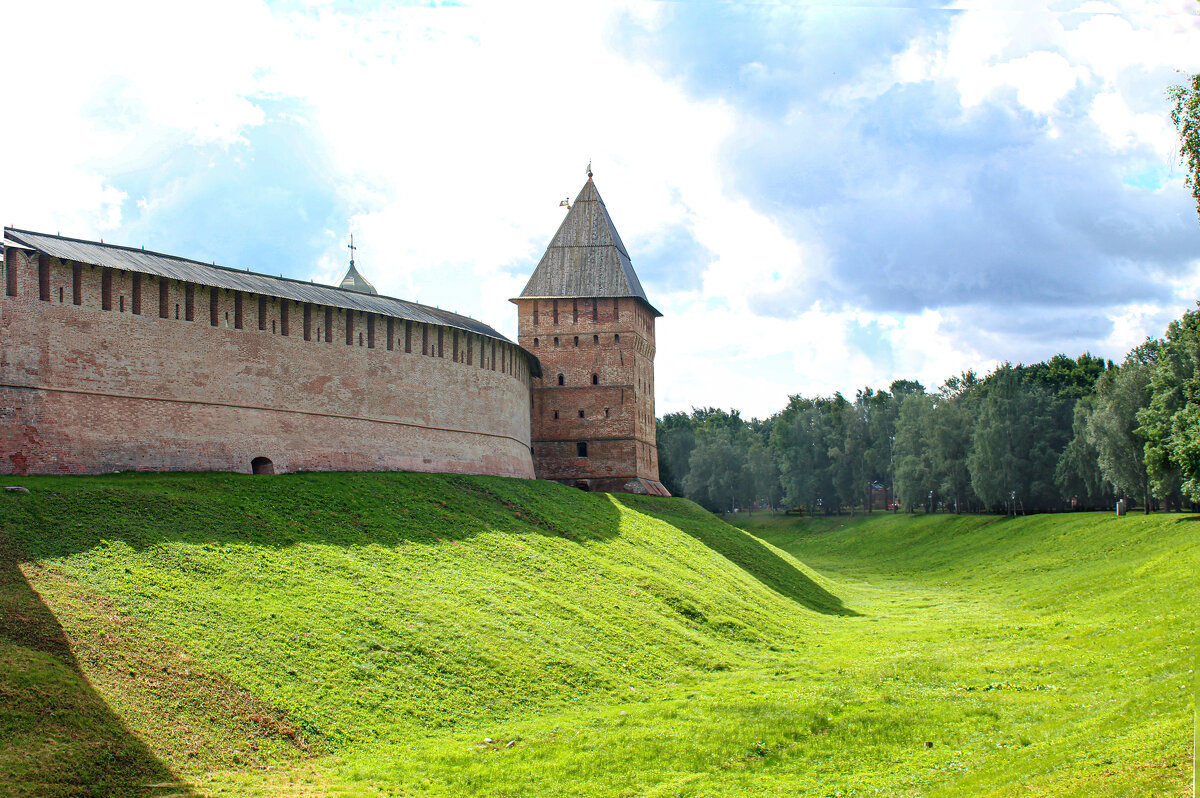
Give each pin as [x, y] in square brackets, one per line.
[140, 260]
[586, 257]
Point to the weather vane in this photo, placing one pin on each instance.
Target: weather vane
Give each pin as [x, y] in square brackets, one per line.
[589, 170]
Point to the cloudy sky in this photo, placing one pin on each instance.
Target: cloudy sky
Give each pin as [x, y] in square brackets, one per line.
[818, 196]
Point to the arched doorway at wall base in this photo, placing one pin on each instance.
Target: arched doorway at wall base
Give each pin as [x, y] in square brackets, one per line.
[262, 465]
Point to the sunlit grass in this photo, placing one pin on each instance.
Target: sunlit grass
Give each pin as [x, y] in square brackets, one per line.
[632, 646]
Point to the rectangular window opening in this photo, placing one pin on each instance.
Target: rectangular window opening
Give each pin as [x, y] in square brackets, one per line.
[581, 449]
[285, 315]
[349, 328]
[328, 325]
[262, 313]
[371, 331]
[214, 311]
[137, 295]
[408, 337]
[164, 299]
[43, 278]
[391, 331]
[307, 321]
[10, 274]
[106, 288]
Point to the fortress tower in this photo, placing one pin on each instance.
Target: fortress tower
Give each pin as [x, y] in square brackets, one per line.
[584, 315]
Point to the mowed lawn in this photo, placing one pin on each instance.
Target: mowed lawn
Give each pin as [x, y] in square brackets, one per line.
[412, 635]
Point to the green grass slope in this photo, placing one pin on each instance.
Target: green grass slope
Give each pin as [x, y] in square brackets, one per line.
[404, 634]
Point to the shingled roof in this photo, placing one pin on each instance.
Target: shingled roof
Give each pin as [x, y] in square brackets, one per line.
[175, 268]
[586, 257]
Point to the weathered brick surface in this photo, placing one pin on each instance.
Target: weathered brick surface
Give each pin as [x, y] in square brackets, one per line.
[86, 390]
[604, 351]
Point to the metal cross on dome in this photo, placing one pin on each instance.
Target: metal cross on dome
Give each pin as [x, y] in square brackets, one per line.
[351, 247]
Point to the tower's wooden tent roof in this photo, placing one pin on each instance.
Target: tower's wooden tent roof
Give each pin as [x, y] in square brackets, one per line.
[586, 257]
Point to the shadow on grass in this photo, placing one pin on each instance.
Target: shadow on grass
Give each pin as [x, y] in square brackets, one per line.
[70, 514]
[740, 548]
[60, 738]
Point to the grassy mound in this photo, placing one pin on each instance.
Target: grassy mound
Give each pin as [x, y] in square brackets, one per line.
[407, 634]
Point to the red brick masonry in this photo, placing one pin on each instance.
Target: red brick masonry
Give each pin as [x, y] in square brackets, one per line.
[93, 380]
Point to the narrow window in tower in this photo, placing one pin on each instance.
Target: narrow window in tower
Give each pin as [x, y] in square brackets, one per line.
[272, 326]
[560, 379]
[595, 313]
[606, 412]
[285, 327]
[471, 347]
[164, 302]
[121, 302]
[441, 351]
[176, 311]
[535, 342]
[360, 340]
[424, 339]
[10, 276]
[349, 328]
[581, 414]
[227, 320]
[391, 331]
[237, 310]
[555, 308]
[556, 340]
[77, 285]
[60, 295]
[214, 314]
[136, 298]
[106, 289]
[555, 415]
[328, 325]
[454, 345]
[595, 340]
[189, 302]
[43, 278]
[617, 338]
[307, 323]
[493, 356]
[616, 310]
[408, 337]
[370, 331]
[262, 313]
[581, 449]
[595, 379]
[576, 340]
[575, 311]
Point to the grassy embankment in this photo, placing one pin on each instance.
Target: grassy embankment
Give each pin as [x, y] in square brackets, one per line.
[364, 634]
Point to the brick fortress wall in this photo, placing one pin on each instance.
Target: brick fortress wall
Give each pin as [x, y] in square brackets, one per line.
[103, 369]
[604, 351]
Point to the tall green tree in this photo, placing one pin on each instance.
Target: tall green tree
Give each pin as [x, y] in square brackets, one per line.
[1078, 474]
[1011, 454]
[1186, 116]
[1112, 426]
[801, 438]
[1170, 423]
[915, 478]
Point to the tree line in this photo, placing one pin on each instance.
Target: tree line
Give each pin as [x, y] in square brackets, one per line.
[1066, 433]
